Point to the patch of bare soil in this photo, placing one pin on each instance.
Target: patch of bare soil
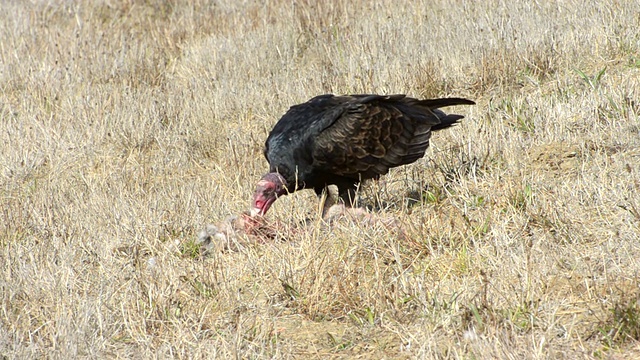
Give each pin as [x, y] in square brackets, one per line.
[555, 158]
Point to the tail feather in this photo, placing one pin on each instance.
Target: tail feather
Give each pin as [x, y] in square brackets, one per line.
[447, 122]
[438, 103]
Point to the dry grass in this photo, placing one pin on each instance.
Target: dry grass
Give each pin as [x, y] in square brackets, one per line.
[126, 126]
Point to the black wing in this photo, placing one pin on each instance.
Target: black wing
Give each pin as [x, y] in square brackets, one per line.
[375, 133]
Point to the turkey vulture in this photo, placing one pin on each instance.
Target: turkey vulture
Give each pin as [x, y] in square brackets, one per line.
[343, 140]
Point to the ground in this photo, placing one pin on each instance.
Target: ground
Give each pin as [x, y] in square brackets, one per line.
[128, 126]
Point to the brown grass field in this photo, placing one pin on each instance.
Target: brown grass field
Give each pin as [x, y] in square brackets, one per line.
[128, 126]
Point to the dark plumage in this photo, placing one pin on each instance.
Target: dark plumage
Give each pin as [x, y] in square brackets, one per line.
[344, 140]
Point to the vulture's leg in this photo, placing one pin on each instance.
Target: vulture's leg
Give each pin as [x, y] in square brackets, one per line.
[346, 197]
[346, 204]
[326, 199]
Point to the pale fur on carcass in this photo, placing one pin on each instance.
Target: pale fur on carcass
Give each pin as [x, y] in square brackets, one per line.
[358, 214]
[236, 231]
[228, 234]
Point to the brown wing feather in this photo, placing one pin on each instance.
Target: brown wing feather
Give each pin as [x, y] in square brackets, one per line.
[372, 137]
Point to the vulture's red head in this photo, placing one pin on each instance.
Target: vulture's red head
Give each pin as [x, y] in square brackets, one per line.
[268, 189]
